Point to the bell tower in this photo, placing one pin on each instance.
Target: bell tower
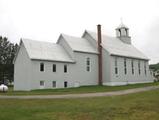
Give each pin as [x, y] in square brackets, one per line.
[122, 32]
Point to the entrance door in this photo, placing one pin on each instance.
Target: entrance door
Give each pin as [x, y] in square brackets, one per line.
[65, 84]
[42, 84]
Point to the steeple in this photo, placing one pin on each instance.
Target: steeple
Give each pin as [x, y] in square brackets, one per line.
[122, 32]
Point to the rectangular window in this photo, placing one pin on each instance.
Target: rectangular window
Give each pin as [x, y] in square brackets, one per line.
[125, 67]
[42, 67]
[65, 84]
[88, 64]
[54, 68]
[65, 68]
[132, 66]
[42, 83]
[116, 66]
[145, 68]
[139, 67]
[53, 84]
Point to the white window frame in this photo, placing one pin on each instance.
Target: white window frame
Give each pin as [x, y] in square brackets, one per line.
[42, 86]
[54, 84]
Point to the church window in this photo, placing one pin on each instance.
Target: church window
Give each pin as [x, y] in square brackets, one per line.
[139, 68]
[145, 68]
[125, 66]
[65, 68]
[116, 66]
[132, 66]
[88, 64]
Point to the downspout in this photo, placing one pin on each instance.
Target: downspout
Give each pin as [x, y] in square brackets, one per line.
[99, 36]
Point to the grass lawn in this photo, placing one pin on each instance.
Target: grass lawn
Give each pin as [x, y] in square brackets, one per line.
[86, 89]
[138, 106]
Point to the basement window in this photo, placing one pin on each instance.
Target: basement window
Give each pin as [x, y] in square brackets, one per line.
[41, 67]
[42, 83]
[54, 84]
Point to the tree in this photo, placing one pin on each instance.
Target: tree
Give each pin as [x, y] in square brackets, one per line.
[7, 53]
[154, 66]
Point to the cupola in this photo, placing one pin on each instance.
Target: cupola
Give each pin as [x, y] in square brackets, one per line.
[122, 32]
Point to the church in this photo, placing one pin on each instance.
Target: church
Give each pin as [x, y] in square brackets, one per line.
[92, 59]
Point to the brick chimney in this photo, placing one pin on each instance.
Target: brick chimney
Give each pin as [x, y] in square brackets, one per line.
[99, 36]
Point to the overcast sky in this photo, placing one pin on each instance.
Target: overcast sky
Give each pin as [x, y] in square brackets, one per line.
[44, 20]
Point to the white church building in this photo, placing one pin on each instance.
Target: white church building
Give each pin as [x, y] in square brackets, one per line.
[92, 59]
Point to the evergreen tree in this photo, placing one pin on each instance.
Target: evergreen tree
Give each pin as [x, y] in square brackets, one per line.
[7, 53]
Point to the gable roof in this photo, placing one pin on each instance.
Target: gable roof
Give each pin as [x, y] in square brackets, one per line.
[116, 47]
[79, 44]
[38, 50]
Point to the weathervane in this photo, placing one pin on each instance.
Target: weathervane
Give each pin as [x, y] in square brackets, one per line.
[121, 19]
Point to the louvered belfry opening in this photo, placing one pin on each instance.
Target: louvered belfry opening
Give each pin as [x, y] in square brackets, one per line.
[99, 38]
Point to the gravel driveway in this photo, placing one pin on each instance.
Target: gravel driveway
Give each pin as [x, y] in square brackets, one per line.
[83, 95]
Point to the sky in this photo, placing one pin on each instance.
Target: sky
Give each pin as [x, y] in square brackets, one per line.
[45, 20]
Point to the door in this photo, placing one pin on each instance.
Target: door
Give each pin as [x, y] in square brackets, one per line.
[65, 84]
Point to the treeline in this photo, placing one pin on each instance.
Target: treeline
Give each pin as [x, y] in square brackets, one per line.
[154, 66]
[7, 53]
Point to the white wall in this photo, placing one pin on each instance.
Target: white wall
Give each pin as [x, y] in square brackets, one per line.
[76, 75]
[64, 44]
[48, 75]
[90, 40]
[121, 78]
[79, 72]
[22, 71]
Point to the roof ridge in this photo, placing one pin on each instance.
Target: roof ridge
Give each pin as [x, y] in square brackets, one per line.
[27, 39]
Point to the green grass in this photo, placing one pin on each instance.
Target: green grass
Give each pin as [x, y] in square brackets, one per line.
[138, 106]
[86, 89]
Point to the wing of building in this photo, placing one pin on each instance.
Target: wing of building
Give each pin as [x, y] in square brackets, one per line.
[74, 61]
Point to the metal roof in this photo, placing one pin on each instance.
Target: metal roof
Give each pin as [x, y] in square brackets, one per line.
[116, 47]
[46, 51]
[79, 44]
